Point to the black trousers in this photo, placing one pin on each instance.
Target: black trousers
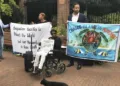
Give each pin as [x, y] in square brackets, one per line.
[81, 61]
[73, 59]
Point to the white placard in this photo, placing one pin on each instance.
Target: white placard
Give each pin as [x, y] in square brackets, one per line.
[21, 36]
[46, 45]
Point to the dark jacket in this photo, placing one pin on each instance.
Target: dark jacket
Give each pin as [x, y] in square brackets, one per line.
[58, 43]
[82, 18]
[39, 22]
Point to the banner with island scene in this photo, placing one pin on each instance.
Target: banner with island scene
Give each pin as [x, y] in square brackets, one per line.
[93, 41]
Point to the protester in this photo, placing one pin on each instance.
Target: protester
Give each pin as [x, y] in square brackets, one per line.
[41, 54]
[42, 17]
[2, 38]
[57, 45]
[76, 16]
[44, 51]
[58, 42]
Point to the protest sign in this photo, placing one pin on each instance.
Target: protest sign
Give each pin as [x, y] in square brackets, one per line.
[93, 41]
[21, 36]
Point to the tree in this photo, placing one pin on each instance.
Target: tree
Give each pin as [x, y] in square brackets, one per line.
[6, 7]
[11, 11]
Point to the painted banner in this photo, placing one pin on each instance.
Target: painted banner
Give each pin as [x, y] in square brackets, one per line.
[93, 41]
[21, 36]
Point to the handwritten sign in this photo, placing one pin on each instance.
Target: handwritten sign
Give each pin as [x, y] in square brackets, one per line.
[21, 36]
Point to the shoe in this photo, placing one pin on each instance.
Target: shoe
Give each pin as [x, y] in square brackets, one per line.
[79, 67]
[69, 65]
[39, 70]
[1, 58]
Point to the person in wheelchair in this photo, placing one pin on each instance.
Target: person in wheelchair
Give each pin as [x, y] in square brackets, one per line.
[54, 44]
[44, 48]
[58, 42]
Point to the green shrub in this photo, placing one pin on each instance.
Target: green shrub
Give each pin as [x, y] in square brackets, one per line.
[112, 18]
[61, 30]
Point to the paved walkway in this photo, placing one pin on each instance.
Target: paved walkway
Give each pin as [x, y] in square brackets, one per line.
[12, 74]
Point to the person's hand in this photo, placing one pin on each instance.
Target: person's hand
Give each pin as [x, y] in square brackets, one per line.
[39, 44]
[8, 26]
[66, 22]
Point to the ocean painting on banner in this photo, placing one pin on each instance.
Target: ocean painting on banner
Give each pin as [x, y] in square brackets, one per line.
[93, 41]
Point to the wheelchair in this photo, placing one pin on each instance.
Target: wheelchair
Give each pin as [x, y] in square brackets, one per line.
[53, 63]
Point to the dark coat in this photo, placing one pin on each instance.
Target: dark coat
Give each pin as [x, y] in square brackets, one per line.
[82, 18]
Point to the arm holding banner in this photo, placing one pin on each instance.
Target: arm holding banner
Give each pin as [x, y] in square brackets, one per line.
[3, 26]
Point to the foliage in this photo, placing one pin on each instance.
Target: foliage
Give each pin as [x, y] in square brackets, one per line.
[7, 48]
[61, 30]
[5, 8]
[17, 15]
[11, 10]
[12, 2]
[112, 18]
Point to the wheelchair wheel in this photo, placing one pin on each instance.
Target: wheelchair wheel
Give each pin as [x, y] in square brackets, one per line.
[48, 73]
[49, 63]
[61, 68]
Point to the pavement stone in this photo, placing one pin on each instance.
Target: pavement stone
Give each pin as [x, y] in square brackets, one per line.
[12, 74]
